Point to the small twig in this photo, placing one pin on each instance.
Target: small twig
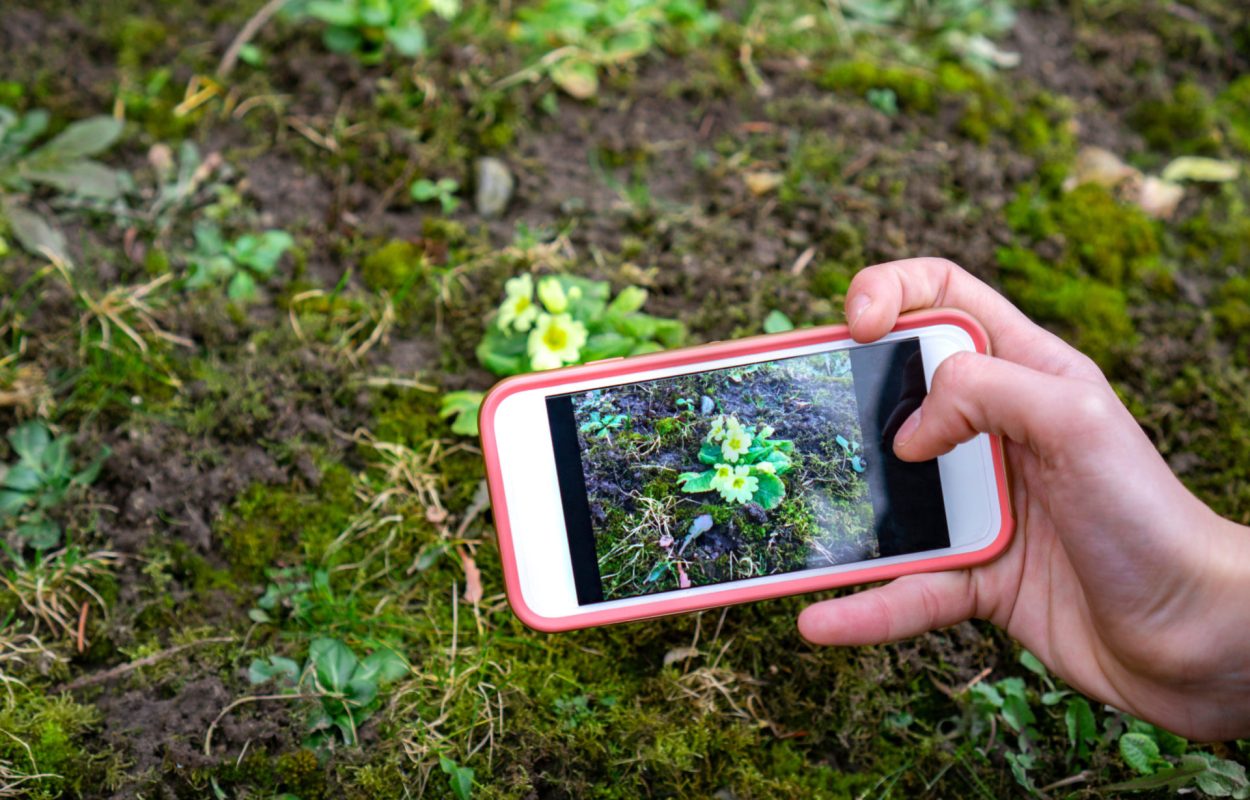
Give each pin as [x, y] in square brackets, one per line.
[1080, 777]
[249, 29]
[97, 678]
[82, 625]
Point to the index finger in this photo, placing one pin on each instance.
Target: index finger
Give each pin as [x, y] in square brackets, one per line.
[878, 294]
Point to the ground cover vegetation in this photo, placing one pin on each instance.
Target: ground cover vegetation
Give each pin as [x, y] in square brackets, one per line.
[258, 259]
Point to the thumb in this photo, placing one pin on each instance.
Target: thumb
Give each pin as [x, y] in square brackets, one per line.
[973, 393]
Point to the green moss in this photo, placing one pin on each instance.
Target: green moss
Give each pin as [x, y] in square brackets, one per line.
[916, 89]
[1092, 315]
[814, 164]
[394, 266]
[1102, 237]
[1232, 313]
[266, 522]
[56, 729]
[1234, 102]
[1183, 123]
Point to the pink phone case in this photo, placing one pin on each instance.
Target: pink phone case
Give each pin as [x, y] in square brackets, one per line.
[730, 594]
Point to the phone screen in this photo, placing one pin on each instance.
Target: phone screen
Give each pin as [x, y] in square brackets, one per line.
[728, 474]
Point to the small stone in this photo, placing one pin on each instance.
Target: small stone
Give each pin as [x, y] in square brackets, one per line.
[706, 405]
[494, 186]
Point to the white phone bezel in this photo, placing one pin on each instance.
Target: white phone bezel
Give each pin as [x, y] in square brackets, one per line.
[536, 514]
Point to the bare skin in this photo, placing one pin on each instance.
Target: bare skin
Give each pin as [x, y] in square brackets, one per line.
[1119, 579]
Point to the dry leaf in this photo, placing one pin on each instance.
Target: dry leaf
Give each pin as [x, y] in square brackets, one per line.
[683, 580]
[1096, 165]
[1159, 198]
[472, 577]
[1196, 168]
[679, 654]
[761, 183]
[666, 541]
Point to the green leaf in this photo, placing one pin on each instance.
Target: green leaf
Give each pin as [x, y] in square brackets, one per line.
[334, 663]
[459, 778]
[711, 453]
[607, 345]
[342, 39]
[503, 353]
[445, 8]
[375, 13]
[628, 45]
[262, 252]
[1082, 729]
[1169, 743]
[661, 568]
[29, 440]
[34, 233]
[361, 691]
[695, 482]
[771, 490]
[22, 478]
[630, 299]
[242, 286]
[82, 177]
[382, 666]
[777, 322]
[464, 407]
[1140, 752]
[408, 41]
[276, 667]
[334, 12]
[578, 77]
[56, 460]
[12, 502]
[84, 138]
[1032, 664]
[41, 533]
[1166, 778]
[1222, 778]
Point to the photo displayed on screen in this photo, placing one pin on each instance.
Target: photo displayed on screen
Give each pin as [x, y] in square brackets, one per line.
[743, 472]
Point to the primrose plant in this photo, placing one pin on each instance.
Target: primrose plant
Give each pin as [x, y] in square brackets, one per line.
[746, 463]
[368, 27]
[64, 163]
[581, 38]
[346, 687]
[40, 480]
[240, 264]
[560, 320]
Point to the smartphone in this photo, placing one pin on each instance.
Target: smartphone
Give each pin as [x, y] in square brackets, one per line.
[732, 472]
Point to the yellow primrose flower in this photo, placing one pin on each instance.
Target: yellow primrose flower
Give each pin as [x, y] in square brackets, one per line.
[518, 309]
[767, 466]
[741, 486]
[766, 431]
[737, 441]
[555, 341]
[724, 473]
[552, 294]
[718, 429]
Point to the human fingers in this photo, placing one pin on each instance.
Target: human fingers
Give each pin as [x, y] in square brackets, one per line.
[973, 393]
[878, 294]
[903, 608]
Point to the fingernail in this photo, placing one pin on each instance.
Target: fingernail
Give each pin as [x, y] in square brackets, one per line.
[908, 428]
[859, 304]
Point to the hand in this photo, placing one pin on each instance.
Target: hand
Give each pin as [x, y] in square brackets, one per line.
[1118, 579]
